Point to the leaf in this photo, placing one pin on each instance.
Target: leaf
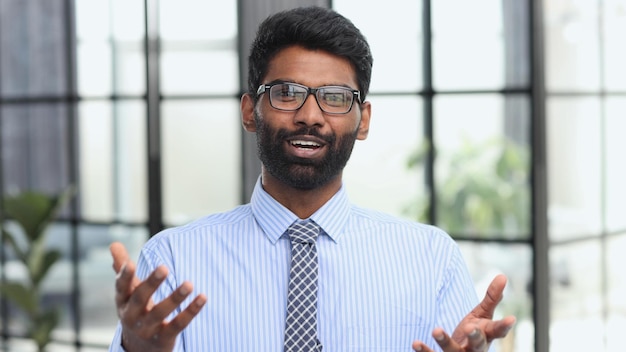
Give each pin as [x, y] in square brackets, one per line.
[21, 295]
[48, 261]
[33, 211]
[30, 210]
[10, 239]
[43, 326]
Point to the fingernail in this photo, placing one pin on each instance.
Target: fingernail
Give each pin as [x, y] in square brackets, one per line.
[184, 290]
[474, 334]
[439, 337]
[159, 275]
[418, 349]
[122, 271]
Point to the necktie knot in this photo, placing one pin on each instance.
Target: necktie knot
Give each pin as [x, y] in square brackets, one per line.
[303, 231]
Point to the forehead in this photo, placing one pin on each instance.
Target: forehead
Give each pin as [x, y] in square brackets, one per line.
[313, 68]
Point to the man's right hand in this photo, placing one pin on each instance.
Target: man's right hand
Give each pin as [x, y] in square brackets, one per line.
[144, 327]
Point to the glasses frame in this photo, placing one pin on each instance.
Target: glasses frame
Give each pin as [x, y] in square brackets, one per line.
[267, 87]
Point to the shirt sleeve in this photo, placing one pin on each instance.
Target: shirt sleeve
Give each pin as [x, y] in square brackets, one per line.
[457, 296]
[116, 344]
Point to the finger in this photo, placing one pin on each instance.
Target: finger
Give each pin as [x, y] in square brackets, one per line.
[498, 328]
[419, 346]
[125, 283]
[476, 341]
[141, 298]
[180, 322]
[444, 341]
[119, 254]
[493, 296]
[164, 308]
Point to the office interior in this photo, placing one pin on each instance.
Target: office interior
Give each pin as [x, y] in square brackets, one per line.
[501, 121]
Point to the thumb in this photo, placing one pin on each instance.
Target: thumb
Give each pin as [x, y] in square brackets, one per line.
[493, 296]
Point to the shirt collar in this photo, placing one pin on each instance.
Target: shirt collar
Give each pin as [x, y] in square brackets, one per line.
[274, 218]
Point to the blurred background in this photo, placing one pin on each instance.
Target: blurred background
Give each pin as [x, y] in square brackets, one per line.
[500, 121]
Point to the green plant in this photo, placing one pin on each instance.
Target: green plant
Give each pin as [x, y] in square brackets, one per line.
[481, 189]
[33, 212]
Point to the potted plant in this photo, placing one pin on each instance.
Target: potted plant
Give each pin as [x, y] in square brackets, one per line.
[33, 212]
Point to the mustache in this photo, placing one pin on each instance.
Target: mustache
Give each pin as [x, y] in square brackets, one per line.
[305, 131]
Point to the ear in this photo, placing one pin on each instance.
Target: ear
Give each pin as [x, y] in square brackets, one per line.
[364, 125]
[247, 113]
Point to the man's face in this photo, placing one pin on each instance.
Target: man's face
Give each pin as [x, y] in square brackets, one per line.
[307, 148]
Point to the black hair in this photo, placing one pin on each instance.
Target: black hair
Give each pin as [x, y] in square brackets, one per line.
[314, 28]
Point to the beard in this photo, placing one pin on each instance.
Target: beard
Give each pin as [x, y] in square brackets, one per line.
[296, 172]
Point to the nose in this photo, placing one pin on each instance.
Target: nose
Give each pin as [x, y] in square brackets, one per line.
[310, 113]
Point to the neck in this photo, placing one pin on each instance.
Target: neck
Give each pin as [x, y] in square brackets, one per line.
[303, 203]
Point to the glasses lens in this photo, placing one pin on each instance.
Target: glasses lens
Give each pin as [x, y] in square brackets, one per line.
[335, 99]
[287, 96]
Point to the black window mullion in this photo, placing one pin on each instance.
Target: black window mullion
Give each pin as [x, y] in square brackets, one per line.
[72, 164]
[153, 108]
[539, 221]
[428, 96]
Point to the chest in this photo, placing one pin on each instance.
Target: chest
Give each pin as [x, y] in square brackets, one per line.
[367, 296]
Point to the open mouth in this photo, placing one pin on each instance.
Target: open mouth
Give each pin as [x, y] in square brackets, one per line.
[305, 144]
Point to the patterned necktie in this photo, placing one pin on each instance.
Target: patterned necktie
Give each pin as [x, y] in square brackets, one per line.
[301, 326]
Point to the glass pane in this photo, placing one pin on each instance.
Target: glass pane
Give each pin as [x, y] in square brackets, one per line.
[200, 70]
[95, 141]
[128, 19]
[468, 44]
[100, 20]
[614, 55]
[617, 291]
[97, 279]
[485, 261]
[33, 48]
[377, 175]
[130, 69]
[34, 146]
[397, 68]
[201, 158]
[182, 20]
[199, 47]
[572, 45]
[93, 20]
[482, 166]
[94, 66]
[130, 168]
[576, 298]
[103, 70]
[615, 172]
[574, 177]
[113, 162]
[110, 47]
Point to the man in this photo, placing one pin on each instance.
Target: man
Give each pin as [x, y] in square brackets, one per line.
[371, 282]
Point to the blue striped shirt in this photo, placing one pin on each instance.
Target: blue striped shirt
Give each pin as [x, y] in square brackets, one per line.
[383, 282]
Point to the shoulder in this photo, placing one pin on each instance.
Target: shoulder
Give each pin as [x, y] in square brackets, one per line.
[376, 218]
[200, 228]
[393, 229]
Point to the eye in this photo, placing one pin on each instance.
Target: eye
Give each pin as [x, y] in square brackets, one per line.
[335, 97]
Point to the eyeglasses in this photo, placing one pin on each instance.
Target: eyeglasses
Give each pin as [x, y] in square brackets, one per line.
[291, 97]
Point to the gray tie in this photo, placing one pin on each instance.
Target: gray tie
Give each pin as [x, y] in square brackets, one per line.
[301, 326]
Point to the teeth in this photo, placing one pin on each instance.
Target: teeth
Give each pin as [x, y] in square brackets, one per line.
[304, 144]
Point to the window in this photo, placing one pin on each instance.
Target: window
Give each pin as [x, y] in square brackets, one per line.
[450, 135]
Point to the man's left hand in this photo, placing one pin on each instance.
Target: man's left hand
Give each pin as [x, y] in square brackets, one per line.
[478, 329]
